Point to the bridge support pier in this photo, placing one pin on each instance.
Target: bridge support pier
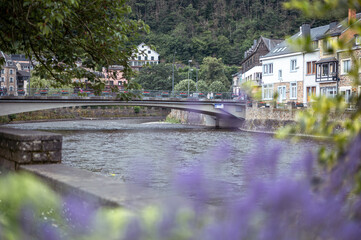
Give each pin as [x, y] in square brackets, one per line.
[223, 122]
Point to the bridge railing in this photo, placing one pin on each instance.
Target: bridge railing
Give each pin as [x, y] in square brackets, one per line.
[145, 94]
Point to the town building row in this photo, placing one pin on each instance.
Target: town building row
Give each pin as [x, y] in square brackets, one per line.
[295, 74]
[16, 71]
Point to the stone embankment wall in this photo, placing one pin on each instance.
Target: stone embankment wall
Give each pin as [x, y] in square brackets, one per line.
[93, 112]
[185, 117]
[21, 147]
[264, 119]
[269, 119]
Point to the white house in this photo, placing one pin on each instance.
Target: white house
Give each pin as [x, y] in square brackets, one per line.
[290, 71]
[144, 56]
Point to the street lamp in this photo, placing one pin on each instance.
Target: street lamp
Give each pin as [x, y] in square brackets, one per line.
[189, 67]
[173, 73]
[197, 79]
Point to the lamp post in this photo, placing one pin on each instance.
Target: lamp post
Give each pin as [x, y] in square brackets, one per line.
[197, 79]
[173, 73]
[189, 67]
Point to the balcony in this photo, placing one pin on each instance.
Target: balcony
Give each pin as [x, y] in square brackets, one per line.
[327, 70]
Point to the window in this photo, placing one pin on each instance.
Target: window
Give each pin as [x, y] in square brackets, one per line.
[2, 79]
[11, 88]
[152, 58]
[148, 52]
[357, 40]
[2, 71]
[346, 93]
[268, 91]
[293, 87]
[314, 44]
[311, 68]
[346, 66]
[11, 71]
[145, 58]
[279, 74]
[268, 68]
[140, 58]
[111, 83]
[293, 65]
[328, 91]
[120, 83]
[11, 79]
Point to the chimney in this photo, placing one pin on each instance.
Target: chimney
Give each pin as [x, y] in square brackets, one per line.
[305, 30]
[333, 25]
[351, 15]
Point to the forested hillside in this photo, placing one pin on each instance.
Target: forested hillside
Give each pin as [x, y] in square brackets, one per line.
[220, 28]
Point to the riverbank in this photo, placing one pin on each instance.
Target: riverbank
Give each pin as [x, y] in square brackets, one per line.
[86, 113]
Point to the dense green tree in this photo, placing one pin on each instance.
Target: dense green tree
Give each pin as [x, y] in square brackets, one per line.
[182, 86]
[217, 86]
[222, 29]
[157, 77]
[202, 86]
[59, 33]
[212, 69]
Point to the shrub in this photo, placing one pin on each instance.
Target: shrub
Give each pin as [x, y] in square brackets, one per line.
[136, 109]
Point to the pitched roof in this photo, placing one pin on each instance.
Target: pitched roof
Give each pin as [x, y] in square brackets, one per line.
[286, 48]
[341, 27]
[23, 73]
[270, 43]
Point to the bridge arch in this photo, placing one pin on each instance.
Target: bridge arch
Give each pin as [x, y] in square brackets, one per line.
[221, 113]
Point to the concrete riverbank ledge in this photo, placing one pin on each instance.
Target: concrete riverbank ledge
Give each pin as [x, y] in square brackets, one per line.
[93, 188]
[24, 147]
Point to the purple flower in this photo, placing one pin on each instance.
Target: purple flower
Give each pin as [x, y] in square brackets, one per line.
[79, 213]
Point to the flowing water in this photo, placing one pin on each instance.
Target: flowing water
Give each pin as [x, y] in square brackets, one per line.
[136, 150]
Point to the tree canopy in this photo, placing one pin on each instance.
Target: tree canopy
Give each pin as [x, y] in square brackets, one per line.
[222, 29]
[157, 77]
[58, 34]
[183, 86]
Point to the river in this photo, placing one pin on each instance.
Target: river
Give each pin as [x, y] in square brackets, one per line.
[137, 150]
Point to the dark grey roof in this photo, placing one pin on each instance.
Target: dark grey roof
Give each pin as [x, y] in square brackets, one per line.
[271, 43]
[23, 73]
[329, 59]
[286, 48]
[18, 57]
[342, 26]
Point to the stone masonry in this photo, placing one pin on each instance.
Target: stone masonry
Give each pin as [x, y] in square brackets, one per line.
[23, 147]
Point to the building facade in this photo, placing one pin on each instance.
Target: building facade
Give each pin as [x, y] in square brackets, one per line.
[144, 57]
[14, 75]
[251, 65]
[289, 71]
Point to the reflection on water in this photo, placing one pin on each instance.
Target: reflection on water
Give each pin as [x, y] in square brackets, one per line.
[133, 150]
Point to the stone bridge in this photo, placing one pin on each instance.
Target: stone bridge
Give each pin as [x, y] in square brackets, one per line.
[221, 113]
